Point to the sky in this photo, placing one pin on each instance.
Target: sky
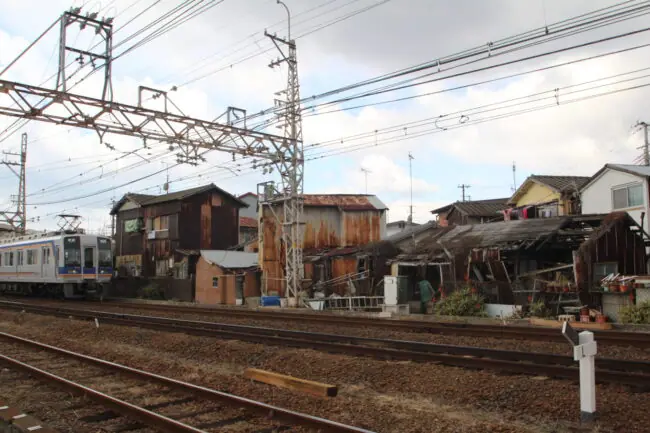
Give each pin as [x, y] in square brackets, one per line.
[544, 121]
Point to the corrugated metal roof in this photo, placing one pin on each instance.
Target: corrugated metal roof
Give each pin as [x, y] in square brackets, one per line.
[411, 231]
[527, 231]
[230, 259]
[247, 222]
[345, 201]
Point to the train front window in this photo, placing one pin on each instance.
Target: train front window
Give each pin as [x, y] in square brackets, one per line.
[72, 252]
[105, 259]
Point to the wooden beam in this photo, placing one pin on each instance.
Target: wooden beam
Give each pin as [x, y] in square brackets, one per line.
[283, 381]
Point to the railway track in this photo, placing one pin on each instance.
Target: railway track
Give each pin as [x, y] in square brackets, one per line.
[631, 373]
[614, 338]
[151, 400]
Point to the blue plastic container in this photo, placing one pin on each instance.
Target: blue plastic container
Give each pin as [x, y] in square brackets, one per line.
[270, 301]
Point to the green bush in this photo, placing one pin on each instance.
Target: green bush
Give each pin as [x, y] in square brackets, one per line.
[637, 314]
[539, 309]
[461, 303]
[152, 291]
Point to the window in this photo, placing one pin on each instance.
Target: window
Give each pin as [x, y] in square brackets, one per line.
[105, 259]
[133, 225]
[0, 259]
[628, 196]
[89, 260]
[9, 259]
[46, 256]
[20, 258]
[72, 251]
[601, 270]
[31, 257]
[215, 282]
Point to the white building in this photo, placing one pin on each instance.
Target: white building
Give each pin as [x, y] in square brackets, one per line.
[618, 187]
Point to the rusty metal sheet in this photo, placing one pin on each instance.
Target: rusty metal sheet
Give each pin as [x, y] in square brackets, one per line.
[342, 266]
[344, 201]
[361, 228]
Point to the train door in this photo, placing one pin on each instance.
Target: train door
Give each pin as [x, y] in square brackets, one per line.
[89, 261]
[45, 262]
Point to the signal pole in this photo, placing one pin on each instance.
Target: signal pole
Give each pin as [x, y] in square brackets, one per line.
[18, 219]
[463, 187]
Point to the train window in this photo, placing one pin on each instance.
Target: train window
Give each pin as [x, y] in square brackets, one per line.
[31, 257]
[11, 258]
[20, 258]
[0, 259]
[105, 259]
[72, 251]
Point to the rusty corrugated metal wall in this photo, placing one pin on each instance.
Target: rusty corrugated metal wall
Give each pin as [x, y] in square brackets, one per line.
[324, 227]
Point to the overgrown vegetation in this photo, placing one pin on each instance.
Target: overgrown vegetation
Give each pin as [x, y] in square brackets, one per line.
[152, 291]
[636, 314]
[539, 309]
[461, 303]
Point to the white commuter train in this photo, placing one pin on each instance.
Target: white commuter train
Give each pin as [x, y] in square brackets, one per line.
[61, 264]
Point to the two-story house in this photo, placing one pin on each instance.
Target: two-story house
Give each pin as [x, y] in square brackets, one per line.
[542, 196]
[248, 218]
[154, 232]
[619, 187]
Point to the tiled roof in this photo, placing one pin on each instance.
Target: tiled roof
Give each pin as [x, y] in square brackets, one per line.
[478, 208]
[561, 183]
[147, 200]
[345, 201]
[247, 222]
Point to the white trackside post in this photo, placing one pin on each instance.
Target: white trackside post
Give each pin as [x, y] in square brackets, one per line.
[585, 353]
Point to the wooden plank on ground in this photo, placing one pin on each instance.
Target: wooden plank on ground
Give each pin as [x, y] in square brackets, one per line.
[577, 325]
[283, 381]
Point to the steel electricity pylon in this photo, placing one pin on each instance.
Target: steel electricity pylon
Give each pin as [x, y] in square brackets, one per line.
[188, 136]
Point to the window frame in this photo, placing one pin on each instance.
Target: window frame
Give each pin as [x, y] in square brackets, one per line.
[215, 282]
[32, 257]
[627, 188]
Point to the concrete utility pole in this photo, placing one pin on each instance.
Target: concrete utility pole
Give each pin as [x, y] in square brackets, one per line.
[18, 219]
[514, 177]
[411, 158]
[646, 143]
[292, 166]
[365, 172]
[463, 187]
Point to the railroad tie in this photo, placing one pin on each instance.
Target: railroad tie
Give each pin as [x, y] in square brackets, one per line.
[20, 421]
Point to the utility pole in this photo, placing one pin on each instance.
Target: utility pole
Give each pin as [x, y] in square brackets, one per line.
[410, 219]
[646, 143]
[166, 184]
[292, 165]
[18, 219]
[365, 172]
[463, 187]
[514, 177]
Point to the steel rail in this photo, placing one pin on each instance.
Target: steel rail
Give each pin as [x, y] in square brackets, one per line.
[267, 410]
[120, 406]
[459, 356]
[635, 339]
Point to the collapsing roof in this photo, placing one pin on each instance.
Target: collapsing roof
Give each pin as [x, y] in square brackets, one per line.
[514, 235]
[230, 259]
